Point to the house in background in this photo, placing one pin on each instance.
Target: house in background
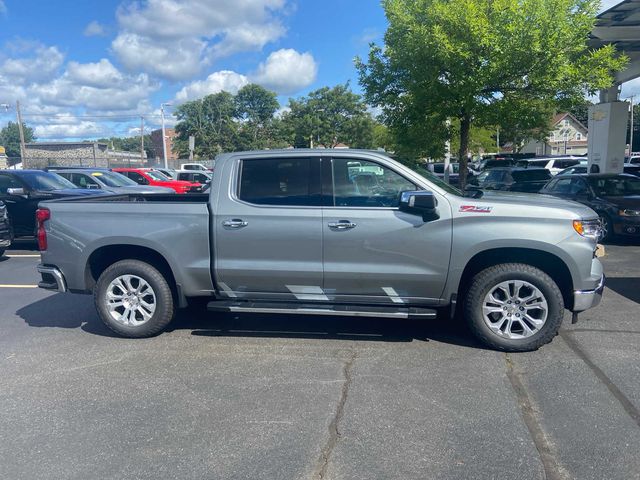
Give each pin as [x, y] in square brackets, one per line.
[568, 137]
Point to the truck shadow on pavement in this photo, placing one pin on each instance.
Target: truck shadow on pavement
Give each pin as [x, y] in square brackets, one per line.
[77, 311]
[625, 286]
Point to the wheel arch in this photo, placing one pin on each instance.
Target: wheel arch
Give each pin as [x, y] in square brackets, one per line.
[103, 257]
[549, 263]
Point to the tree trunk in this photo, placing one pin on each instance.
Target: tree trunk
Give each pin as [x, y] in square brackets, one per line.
[465, 128]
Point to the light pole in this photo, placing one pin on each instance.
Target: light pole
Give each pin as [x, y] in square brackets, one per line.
[632, 98]
[164, 138]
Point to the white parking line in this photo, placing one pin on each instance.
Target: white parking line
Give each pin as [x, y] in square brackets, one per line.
[17, 286]
[23, 256]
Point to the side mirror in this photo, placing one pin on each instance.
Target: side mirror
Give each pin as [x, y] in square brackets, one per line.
[419, 203]
[18, 192]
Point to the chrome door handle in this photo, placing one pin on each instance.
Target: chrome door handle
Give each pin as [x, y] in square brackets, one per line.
[342, 225]
[235, 223]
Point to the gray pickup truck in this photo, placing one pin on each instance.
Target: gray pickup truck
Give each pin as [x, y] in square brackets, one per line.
[331, 232]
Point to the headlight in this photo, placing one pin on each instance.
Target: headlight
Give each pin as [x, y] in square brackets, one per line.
[629, 213]
[587, 228]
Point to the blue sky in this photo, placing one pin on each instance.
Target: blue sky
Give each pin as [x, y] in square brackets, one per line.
[87, 69]
[74, 65]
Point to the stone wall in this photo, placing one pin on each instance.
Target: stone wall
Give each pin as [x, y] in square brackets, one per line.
[68, 155]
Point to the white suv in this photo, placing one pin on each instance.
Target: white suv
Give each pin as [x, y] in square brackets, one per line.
[555, 165]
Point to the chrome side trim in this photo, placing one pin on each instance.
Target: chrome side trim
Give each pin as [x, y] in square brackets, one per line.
[61, 284]
[586, 299]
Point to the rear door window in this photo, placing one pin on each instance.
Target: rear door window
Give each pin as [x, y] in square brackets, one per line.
[281, 181]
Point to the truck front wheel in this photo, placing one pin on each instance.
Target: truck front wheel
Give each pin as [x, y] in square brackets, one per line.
[134, 299]
[513, 307]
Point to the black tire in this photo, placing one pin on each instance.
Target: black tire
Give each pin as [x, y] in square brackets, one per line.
[164, 301]
[487, 280]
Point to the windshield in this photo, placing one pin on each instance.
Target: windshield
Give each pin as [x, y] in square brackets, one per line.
[615, 186]
[46, 181]
[157, 176]
[420, 170]
[112, 179]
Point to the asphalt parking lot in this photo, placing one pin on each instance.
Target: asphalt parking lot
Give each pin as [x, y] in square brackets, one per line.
[280, 397]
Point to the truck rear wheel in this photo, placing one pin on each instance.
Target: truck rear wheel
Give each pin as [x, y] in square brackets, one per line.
[134, 299]
[513, 307]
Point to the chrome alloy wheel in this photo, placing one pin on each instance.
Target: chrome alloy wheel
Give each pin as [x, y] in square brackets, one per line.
[130, 300]
[515, 309]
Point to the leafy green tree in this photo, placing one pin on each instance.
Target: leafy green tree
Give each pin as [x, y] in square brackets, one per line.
[211, 120]
[581, 111]
[255, 109]
[328, 117]
[10, 139]
[475, 60]
[129, 144]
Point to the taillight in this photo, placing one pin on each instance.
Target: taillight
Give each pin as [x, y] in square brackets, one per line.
[42, 215]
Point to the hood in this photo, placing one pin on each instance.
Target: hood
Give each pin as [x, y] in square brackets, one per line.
[71, 192]
[631, 202]
[532, 205]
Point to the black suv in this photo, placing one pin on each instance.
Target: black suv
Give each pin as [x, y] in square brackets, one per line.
[513, 179]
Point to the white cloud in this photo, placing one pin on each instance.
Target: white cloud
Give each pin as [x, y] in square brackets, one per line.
[216, 82]
[631, 87]
[70, 130]
[41, 63]
[94, 29]
[100, 75]
[174, 39]
[287, 71]
[180, 60]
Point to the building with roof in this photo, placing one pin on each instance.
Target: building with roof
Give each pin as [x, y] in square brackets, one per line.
[568, 136]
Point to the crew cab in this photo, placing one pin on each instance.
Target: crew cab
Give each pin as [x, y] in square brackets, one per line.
[148, 176]
[335, 232]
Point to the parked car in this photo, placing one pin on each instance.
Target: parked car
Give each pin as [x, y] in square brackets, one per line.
[194, 176]
[512, 179]
[108, 181]
[614, 197]
[554, 164]
[630, 169]
[195, 166]
[170, 173]
[148, 176]
[22, 190]
[6, 232]
[438, 170]
[486, 164]
[294, 233]
[633, 160]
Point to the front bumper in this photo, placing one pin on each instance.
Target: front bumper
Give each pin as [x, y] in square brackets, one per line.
[52, 279]
[586, 299]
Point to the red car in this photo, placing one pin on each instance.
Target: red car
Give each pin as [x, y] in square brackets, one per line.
[148, 176]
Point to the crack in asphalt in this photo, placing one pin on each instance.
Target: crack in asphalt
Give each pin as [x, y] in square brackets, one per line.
[553, 470]
[627, 405]
[334, 432]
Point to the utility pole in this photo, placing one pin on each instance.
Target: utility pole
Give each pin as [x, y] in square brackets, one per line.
[498, 138]
[631, 135]
[141, 138]
[164, 138]
[23, 150]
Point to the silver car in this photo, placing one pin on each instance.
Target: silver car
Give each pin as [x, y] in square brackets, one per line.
[108, 181]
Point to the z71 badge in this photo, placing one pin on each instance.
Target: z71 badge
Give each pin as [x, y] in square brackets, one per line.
[475, 209]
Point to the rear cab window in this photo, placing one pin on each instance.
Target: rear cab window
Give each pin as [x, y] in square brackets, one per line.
[280, 181]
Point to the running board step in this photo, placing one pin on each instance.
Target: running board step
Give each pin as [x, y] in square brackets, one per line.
[317, 309]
